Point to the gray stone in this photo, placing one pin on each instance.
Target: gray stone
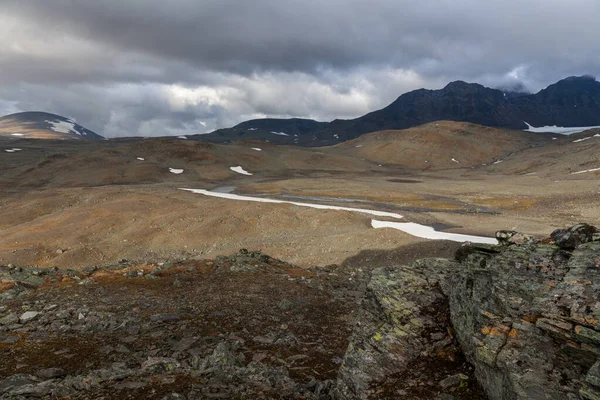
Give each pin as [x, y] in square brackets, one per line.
[164, 317]
[9, 319]
[453, 381]
[160, 364]
[51, 373]
[29, 316]
[11, 339]
[185, 344]
[16, 381]
[173, 396]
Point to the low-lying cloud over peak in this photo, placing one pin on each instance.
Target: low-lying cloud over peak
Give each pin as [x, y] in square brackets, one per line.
[142, 67]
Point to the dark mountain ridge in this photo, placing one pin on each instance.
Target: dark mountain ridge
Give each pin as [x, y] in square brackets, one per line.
[574, 101]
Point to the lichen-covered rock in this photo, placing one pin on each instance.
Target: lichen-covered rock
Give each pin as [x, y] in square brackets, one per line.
[402, 319]
[574, 236]
[507, 238]
[527, 316]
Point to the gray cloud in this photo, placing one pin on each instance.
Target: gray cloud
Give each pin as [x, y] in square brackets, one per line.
[144, 67]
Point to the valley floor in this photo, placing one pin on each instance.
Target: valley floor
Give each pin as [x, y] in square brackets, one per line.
[124, 270]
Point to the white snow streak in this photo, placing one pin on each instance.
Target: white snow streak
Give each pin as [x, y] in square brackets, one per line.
[584, 171]
[240, 170]
[317, 206]
[428, 232]
[175, 170]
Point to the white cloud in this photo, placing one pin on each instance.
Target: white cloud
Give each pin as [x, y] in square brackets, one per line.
[214, 63]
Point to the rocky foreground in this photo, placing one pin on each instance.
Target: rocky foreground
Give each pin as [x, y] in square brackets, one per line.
[515, 321]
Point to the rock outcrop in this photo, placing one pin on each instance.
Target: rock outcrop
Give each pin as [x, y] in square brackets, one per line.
[525, 314]
[518, 320]
[402, 344]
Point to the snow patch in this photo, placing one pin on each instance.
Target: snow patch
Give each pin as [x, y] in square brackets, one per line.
[280, 133]
[175, 170]
[584, 171]
[182, 137]
[17, 134]
[13, 150]
[252, 129]
[498, 162]
[240, 170]
[586, 138]
[256, 148]
[428, 232]
[63, 127]
[232, 196]
[456, 161]
[559, 129]
[141, 158]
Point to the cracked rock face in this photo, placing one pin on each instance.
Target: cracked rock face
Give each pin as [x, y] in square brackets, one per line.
[401, 345]
[527, 316]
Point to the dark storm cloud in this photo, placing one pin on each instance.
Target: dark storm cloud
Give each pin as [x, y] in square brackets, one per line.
[170, 66]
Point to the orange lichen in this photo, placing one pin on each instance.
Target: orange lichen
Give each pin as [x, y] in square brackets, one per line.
[501, 330]
[5, 286]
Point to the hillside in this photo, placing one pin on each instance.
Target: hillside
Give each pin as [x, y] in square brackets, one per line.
[293, 131]
[574, 156]
[574, 101]
[441, 145]
[42, 125]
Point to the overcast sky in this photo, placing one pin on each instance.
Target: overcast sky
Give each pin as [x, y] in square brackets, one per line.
[152, 68]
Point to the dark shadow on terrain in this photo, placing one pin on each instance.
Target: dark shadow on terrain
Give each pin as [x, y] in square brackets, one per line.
[404, 181]
[370, 259]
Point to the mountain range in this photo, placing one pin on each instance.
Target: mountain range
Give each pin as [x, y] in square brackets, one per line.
[574, 101]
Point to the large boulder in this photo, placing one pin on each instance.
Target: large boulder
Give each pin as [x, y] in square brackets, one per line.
[527, 316]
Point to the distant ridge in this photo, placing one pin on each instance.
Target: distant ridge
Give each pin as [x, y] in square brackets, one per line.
[573, 101]
[43, 125]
